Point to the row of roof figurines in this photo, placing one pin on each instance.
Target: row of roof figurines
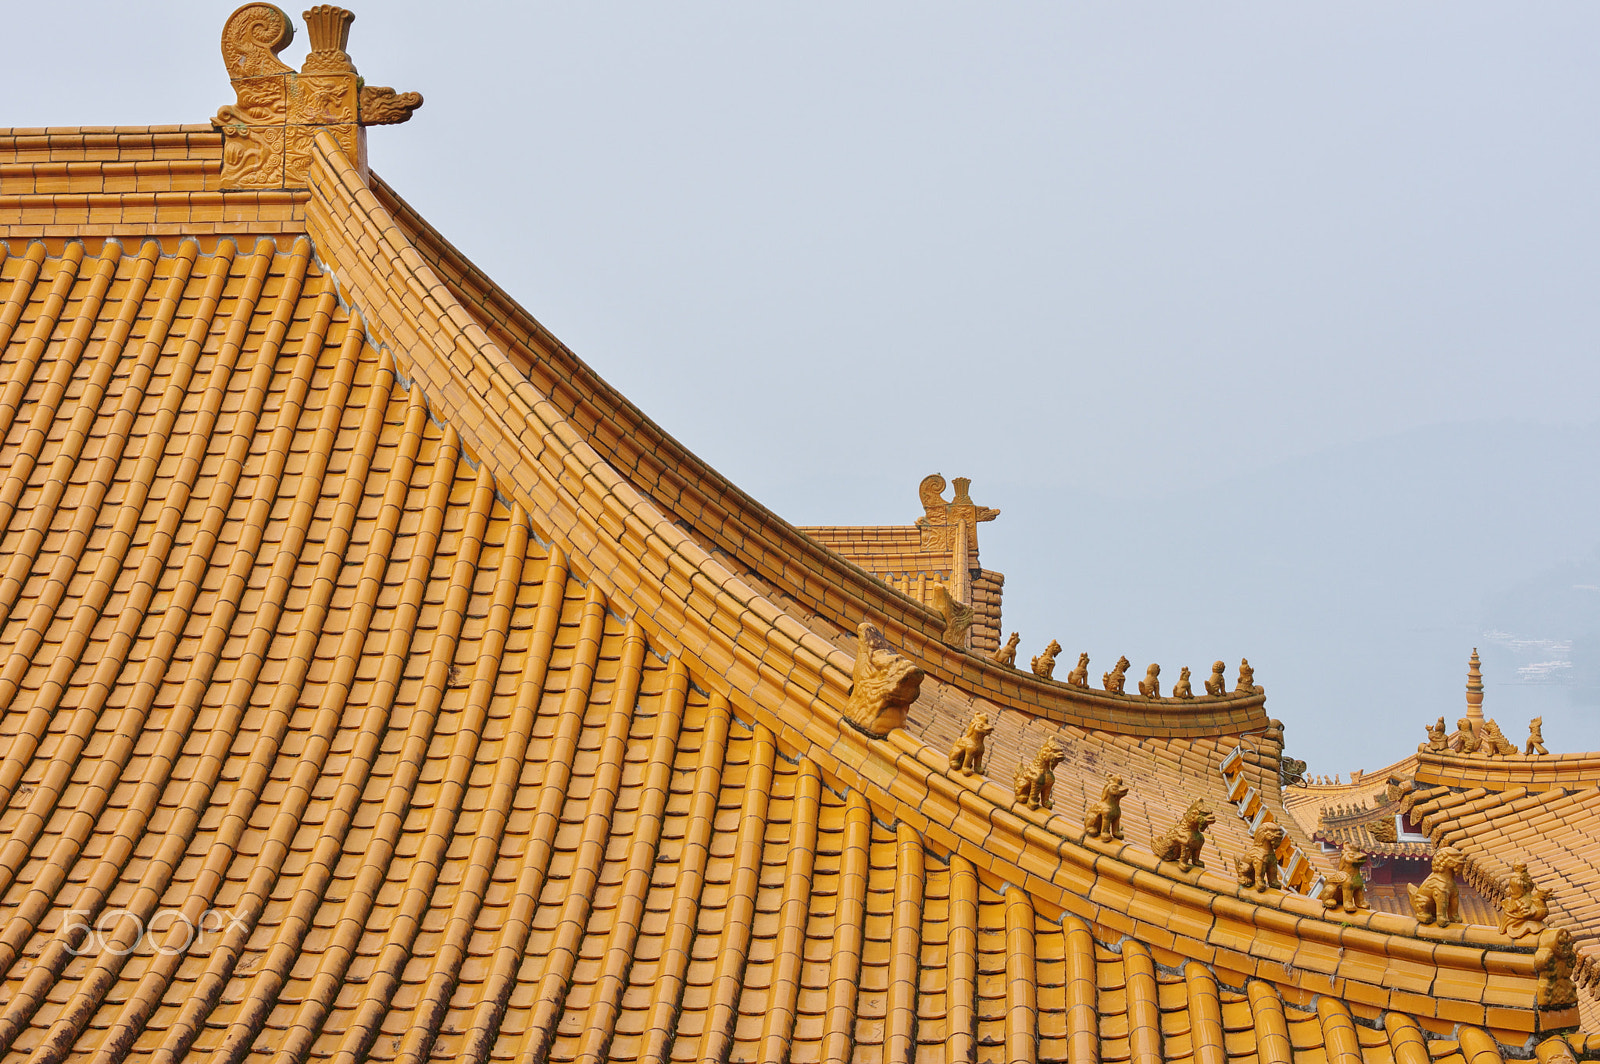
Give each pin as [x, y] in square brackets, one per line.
[1436, 901]
[1115, 681]
[885, 683]
[1470, 738]
[1482, 739]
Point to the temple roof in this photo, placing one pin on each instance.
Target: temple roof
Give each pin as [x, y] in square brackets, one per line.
[376, 681]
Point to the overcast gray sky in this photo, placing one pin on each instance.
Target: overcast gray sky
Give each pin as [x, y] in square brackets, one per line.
[1144, 272]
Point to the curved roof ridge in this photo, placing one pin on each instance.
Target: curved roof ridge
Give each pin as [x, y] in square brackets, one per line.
[778, 553]
[563, 484]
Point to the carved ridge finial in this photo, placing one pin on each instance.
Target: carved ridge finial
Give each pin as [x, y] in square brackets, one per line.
[269, 129]
[940, 517]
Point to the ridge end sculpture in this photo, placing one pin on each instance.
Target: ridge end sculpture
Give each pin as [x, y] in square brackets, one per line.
[1553, 961]
[885, 683]
[277, 113]
[958, 616]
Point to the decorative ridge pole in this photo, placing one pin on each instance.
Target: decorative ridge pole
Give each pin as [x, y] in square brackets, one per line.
[1475, 688]
[278, 111]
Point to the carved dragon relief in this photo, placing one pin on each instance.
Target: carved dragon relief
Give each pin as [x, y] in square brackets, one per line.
[269, 129]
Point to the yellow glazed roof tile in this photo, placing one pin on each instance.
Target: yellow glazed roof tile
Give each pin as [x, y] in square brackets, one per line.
[377, 683]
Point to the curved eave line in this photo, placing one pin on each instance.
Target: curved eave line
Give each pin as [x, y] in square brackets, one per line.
[778, 552]
[731, 637]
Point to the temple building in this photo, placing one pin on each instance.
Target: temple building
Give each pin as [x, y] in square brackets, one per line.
[378, 683]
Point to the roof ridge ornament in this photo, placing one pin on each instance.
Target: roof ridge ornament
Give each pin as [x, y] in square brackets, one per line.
[940, 518]
[268, 130]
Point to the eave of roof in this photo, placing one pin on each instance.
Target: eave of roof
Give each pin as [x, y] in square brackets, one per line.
[609, 549]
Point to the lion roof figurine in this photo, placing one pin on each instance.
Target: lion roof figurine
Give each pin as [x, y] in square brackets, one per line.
[966, 755]
[1007, 655]
[1104, 818]
[1115, 680]
[1258, 867]
[1036, 781]
[1347, 886]
[1183, 841]
[1045, 664]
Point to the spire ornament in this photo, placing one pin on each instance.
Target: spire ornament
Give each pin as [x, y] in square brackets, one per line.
[278, 112]
[1475, 688]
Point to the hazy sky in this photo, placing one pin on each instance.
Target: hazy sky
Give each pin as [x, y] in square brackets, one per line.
[1096, 257]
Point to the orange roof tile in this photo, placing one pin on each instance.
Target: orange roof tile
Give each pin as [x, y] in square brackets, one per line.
[377, 683]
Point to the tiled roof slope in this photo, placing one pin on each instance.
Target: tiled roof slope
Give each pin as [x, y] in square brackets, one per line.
[1553, 830]
[465, 716]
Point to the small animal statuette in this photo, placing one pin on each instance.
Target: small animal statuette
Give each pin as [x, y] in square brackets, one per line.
[1466, 740]
[1036, 781]
[966, 755]
[1535, 737]
[957, 616]
[1524, 907]
[1104, 818]
[1437, 900]
[1150, 686]
[1183, 841]
[1247, 678]
[1347, 886]
[885, 684]
[1438, 739]
[1217, 683]
[1045, 664]
[1492, 743]
[1181, 689]
[1553, 962]
[1117, 678]
[1007, 655]
[1079, 677]
[1258, 868]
